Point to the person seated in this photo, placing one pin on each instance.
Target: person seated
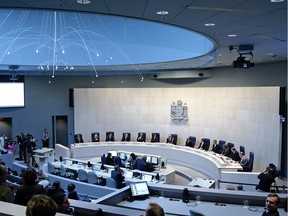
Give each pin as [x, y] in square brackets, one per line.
[243, 160]
[109, 159]
[143, 165]
[141, 137]
[41, 205]
[72, 193]
[79, 139]
[110, 137]
[225, 150]
[235, 154]
[170, 139]
[154, 209]
[116, 174]
[272, 204]
[266, 179]
[5, 191]
[133, 161]
[125, 137]
[63, 205]
[56, 187]
[118, 161]
[96, 138]
[154, 138]
[188, 142]
[203, 145]
[216, 147]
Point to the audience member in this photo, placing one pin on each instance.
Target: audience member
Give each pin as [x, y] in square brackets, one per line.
[133, 161]
[22, 146]
[271, 205]
[141, 137]
[116, 174]
[143, 165]
[56, 187]
[239, 188]
[79, 139]
[125, 137]
[45, 138]
[234, 154]
[154, 138]
[216, 147]
[109, 159]
[154, 209]
[63, 205]
[110, 138]
[5, 192]
[41, 205]
[266, 179]
[72, 193]
[29, 188]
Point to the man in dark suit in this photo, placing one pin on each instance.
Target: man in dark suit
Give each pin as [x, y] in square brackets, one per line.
[203, 145]
[216, 147]
[110, 138]
[170, 140]
[116, 174]
[271, 205]
[266, 179]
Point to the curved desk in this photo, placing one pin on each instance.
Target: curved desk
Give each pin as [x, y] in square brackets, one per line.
[208, 163]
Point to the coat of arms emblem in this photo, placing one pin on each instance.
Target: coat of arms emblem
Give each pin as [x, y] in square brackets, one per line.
[179, 111]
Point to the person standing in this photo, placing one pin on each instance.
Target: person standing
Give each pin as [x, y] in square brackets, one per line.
[22, 146]
[45, 138]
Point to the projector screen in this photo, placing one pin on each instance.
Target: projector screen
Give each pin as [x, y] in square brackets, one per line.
[11, 94]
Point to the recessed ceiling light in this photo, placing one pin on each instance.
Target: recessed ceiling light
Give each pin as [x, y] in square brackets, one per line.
[276, 1]
[232, 35]
[162, 13]
[83, 1]
[209, 24]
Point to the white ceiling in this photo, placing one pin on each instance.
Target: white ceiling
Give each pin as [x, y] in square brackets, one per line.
[255, 22]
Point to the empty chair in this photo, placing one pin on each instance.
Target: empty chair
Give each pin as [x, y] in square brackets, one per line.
[52, 169]
[82, 175]
[95, 137]
[242, 149]
[78, 138]
[249, 168]
[155, 137]
[110, 182]
[141, 137]
[110, 136]
[92, 178]
[63, 171]
[126, 137]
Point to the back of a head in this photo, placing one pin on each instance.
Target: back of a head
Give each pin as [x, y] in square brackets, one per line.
[154, 210]
[3, 172]
[56, 184]
[71, 187]
[144, 158]
[41, 205]
[30, 176]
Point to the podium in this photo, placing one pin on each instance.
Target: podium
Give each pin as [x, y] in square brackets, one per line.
[44, 156]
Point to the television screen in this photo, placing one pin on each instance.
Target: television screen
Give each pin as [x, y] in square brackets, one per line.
[154, 160]
[139, 189]
[11, 94]
[147, 178]
[113, 153]
[129, 174]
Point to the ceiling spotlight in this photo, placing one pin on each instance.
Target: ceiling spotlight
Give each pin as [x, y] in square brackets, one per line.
[161, 13]
[209, 24]
[275, 1]
[83, 1]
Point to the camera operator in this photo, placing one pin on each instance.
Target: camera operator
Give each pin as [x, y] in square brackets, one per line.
[266, 179]
[30, 147]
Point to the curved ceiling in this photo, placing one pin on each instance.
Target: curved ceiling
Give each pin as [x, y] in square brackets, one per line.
[262, 24]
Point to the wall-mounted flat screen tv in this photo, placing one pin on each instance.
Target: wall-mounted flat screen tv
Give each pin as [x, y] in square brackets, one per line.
[12, 94]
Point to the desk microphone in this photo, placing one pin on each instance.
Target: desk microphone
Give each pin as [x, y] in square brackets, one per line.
[185, 196]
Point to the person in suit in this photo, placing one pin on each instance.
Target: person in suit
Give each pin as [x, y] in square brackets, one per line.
[125, 137]
[96, 138]
[266, 179]
[154, 138]
[203, 145]
[79, 139]
[45, 138]
[110, 138]
[170, 139]
[188, 142]
[225, 150]
[116, 174]
[109, 159]
[72, 193]
[216, 147]
[243, 160]
[235, 154]
[141, 137]
[271, 205]
[143, 165]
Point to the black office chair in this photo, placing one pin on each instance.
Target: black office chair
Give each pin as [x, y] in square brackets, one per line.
[155, 137]
[174, 138]
[124, 139]
[108, 138]
[141, 138]
[76, 140]
[192, 141]
[242, 149]
[95, 138]
[249, 168]
[230, 145]
[207, 143]
[221, 143]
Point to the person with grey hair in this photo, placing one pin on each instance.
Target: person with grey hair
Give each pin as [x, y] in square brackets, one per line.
[154, 209]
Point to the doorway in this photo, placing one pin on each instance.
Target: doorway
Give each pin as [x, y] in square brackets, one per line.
[60, 130]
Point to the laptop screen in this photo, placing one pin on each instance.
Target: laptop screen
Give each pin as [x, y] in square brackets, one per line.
[139, 189]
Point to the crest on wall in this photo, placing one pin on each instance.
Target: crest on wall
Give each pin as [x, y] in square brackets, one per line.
[179, 111]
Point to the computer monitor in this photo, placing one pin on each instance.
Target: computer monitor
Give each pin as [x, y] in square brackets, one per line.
[129, 174]
[96, 167]
[139, 189]
[113, 153]
[68, 162]
[122, 155]
[154, 160]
